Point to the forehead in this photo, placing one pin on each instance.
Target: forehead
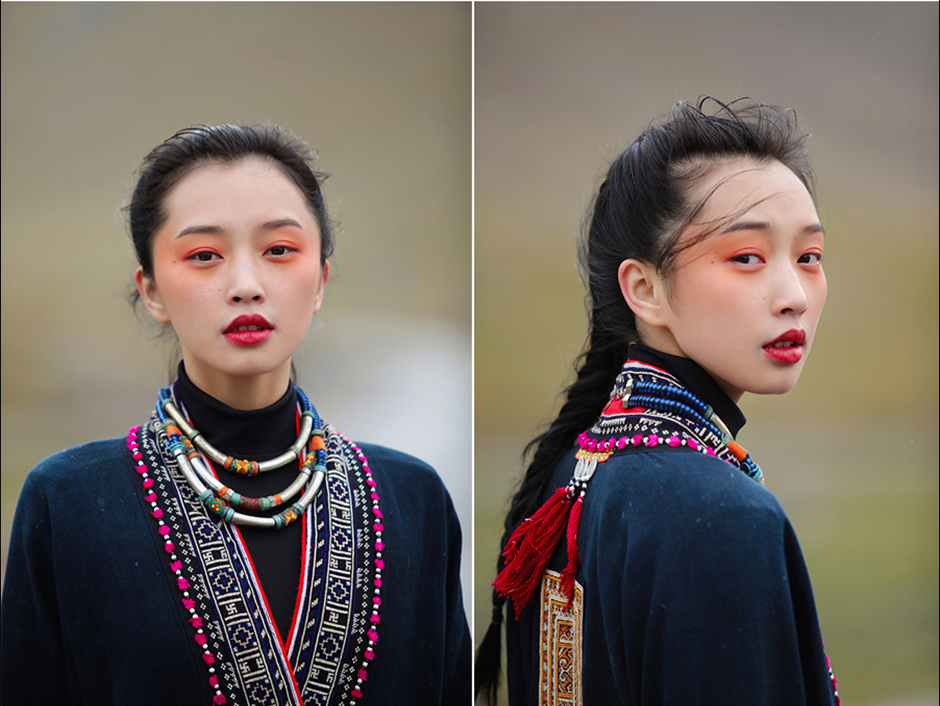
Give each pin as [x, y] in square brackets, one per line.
[743, 185]
[249, 183]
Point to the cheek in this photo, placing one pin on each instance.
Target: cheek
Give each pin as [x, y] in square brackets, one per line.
[302, 282]
[180, 287]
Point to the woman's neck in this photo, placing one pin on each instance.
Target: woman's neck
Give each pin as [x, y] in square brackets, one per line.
[256, 433]
[245, 392]
[696, 380]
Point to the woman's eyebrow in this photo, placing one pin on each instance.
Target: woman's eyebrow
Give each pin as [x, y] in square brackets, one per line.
[811, 229]
[191, 230]
[281, 223]
[215, 230]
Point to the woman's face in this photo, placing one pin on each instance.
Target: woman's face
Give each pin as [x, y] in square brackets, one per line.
[237, 272]
[744, 302]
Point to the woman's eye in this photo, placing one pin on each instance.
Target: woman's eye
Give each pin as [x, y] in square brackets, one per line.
[279, 250]
[203, 256]
[747, 259]
[810, 258]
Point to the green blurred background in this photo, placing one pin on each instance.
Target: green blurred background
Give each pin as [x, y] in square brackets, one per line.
[382, 91]
[851, 452]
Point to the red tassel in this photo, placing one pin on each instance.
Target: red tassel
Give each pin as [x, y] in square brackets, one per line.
[529, 548]
[574, 558]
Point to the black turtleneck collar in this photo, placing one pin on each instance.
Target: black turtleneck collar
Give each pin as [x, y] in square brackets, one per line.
[699, 382]
[256, 433]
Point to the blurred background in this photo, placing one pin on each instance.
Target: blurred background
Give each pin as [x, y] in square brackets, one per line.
[382, 91]
[560, 89]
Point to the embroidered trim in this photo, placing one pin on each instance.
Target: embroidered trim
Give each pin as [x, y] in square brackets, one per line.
[560, 643]
[176, 565]
[336, 630]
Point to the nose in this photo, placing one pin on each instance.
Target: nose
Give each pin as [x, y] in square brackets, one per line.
[245, 284]
[790, 291]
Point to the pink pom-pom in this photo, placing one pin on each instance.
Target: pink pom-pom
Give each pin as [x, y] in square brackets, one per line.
[169, 547]
[218, 699]
[176, 566]
[182, 583]
[158, 513]
[377, 600]
[200, 639]
[379, 546]
[374, 496]
[637, 439]
[378, 527]
[164, 530]
[377, 512]
[150, 498]
[622, 442]
[370, 482]
[356, 693]
[692, 444]
[373, 635]
[148, 482]
[374, 618]
[196, 621]
[137, 456]
[377, 583]
[214, 681]
[208, 658]
[369, 654]
[674, 441]
[189, 603]
[380, 563]
[362, 674]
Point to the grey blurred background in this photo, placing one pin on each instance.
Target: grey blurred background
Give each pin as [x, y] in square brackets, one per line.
[560, 88]
[382, 91]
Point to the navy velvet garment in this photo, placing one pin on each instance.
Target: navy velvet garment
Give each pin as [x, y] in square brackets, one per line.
[93, 612]
[691, 590]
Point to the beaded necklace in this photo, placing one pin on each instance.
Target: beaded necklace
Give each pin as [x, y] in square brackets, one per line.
[647, 390]
[218, 498]
[648, 408]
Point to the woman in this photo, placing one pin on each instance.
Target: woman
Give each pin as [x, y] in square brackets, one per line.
[235, 548]
[643, 559]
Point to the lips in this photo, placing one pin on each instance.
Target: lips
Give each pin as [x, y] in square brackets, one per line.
[248, 330]
[787, 348]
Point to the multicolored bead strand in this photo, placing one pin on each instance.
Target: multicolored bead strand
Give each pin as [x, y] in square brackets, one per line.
[176, 566]
[636, 391]
[183, 439]
[308, 422]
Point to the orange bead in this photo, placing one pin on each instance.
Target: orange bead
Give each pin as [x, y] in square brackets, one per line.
[739, 451]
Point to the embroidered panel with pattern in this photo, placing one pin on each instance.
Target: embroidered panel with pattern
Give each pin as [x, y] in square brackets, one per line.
[336, 617]
[560, 643]
[331, 635]
[250, 663]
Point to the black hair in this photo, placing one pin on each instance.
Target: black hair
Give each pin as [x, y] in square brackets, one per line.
[640, 211]
[199, 145]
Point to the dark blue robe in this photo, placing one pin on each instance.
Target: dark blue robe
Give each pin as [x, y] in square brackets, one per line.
[692, 587]
[91, 614]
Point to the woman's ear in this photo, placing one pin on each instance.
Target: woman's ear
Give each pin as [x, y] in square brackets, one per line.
[150, 297]
[644, 291]
[324, 276]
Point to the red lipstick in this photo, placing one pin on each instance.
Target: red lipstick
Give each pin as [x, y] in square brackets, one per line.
[248, 330]
[787, 348]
